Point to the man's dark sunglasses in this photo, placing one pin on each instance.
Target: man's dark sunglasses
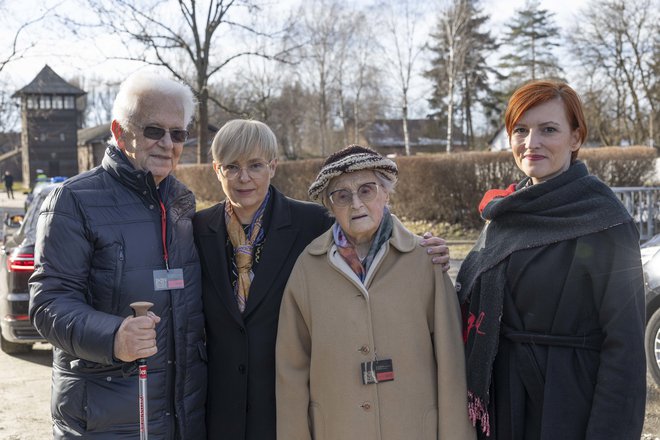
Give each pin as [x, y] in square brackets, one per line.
[156, 133]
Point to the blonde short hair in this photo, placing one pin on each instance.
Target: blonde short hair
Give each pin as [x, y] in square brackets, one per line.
[243, 138]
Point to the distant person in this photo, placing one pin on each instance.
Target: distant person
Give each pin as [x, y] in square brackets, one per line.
[120, 233]
[41, 176]
[248, 245]
[369, 344]
[553, 290]
[9, 184]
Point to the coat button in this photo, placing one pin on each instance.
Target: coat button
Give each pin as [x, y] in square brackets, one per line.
[241, 369]
[241, 330]
[366, 406]
[364, 349]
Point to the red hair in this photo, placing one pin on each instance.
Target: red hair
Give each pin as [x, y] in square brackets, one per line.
[538, 92]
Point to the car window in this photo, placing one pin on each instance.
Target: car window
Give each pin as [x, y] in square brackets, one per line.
[26, 234]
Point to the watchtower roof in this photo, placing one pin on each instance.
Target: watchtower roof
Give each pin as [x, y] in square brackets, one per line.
[48, 82]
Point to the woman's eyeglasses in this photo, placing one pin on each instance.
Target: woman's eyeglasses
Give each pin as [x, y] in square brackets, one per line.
[178, 135]
[254, 169]
[343, 197]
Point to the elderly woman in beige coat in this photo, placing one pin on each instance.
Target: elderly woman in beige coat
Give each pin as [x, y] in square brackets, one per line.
[369, 343]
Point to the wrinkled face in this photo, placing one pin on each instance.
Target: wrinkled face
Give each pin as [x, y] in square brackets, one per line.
[245, 182]
[361, 217]
[542, 141]
[158, 156]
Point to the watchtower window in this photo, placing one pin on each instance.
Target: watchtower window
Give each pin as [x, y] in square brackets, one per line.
[69, 102]
[32, 102]
[57, 102]
[44, 102]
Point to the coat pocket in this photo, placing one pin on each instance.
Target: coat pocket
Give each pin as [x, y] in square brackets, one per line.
[316, 421]
[111, 403]
[430, 424]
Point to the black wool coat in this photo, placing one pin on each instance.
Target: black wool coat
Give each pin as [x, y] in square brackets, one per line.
[241, 347]
[591, 285]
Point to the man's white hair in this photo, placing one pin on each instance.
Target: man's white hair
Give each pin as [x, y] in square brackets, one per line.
[142, 83]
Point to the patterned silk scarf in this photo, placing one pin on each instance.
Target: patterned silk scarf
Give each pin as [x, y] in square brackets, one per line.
[349, 253]
[244, 247]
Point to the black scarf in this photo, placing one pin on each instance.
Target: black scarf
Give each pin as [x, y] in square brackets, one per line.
[568, 206]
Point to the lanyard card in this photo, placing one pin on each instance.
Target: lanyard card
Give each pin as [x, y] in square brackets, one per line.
[168, 279]
[377, 371]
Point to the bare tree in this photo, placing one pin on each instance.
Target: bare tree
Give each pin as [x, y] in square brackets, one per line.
[16, 48]
[323, 24]
[401, 19]
[452, 44]
[617, 46]
[358, 76]
[187, 37]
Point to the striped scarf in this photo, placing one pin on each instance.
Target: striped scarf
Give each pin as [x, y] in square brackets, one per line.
[349, 253]
[243, 245]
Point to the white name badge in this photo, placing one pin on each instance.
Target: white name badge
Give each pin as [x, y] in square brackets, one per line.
[168, 279]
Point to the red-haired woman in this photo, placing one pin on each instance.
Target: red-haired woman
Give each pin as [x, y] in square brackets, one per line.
[553, 290]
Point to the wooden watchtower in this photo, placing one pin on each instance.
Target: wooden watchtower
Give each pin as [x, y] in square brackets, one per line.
[50, 119]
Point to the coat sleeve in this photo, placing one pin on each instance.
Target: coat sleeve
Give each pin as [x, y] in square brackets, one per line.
[292, 354]
[453, 421]
[60, 294]
[620, 394]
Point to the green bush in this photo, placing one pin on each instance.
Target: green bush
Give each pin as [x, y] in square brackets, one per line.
[442, 188]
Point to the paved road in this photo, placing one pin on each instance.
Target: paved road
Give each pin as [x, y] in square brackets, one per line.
[24, 379]
[25, 395]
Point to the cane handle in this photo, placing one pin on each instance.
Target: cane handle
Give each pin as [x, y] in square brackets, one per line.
[140, 308]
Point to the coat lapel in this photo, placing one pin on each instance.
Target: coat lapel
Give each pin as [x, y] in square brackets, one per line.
[280, 239]
[216, 264]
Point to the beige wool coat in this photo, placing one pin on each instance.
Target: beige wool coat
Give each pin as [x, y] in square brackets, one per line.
[330, 323]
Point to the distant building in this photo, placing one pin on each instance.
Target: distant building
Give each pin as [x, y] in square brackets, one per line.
[50, 119]
[92, 142]
[425, 136]
[499, 141]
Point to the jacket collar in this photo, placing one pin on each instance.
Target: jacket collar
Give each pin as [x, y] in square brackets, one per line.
[118, 166]
[280, 238]
[143, 184]
[402, 239]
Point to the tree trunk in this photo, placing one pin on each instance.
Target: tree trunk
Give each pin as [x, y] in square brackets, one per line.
[406, 136]
[450, 110]
[202, 124]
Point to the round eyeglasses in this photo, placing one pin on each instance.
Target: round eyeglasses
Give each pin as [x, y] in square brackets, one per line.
[254, 169]
[365, 192]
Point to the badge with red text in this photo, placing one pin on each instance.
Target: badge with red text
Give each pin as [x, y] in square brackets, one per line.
[377, 371]
[168, 279]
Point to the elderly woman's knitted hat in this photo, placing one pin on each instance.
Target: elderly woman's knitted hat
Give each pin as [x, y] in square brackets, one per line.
[350, 159]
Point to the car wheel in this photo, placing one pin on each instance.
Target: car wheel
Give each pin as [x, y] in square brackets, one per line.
[12, 347]
[652, 345]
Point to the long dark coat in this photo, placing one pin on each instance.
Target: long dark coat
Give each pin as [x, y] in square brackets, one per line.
[241, 347]
[588, 285]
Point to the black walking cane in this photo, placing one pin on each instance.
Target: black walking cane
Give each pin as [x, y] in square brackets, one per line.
[141, 308]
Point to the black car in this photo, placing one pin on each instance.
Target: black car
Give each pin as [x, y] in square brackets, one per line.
[17, 335]
[651, 267]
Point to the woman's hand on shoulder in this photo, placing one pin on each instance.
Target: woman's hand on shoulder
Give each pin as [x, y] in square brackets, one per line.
[437, 248]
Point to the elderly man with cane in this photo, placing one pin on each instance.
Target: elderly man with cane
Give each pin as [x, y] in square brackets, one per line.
[110, 237]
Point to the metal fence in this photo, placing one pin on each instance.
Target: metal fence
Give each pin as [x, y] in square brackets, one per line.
[643, 204]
